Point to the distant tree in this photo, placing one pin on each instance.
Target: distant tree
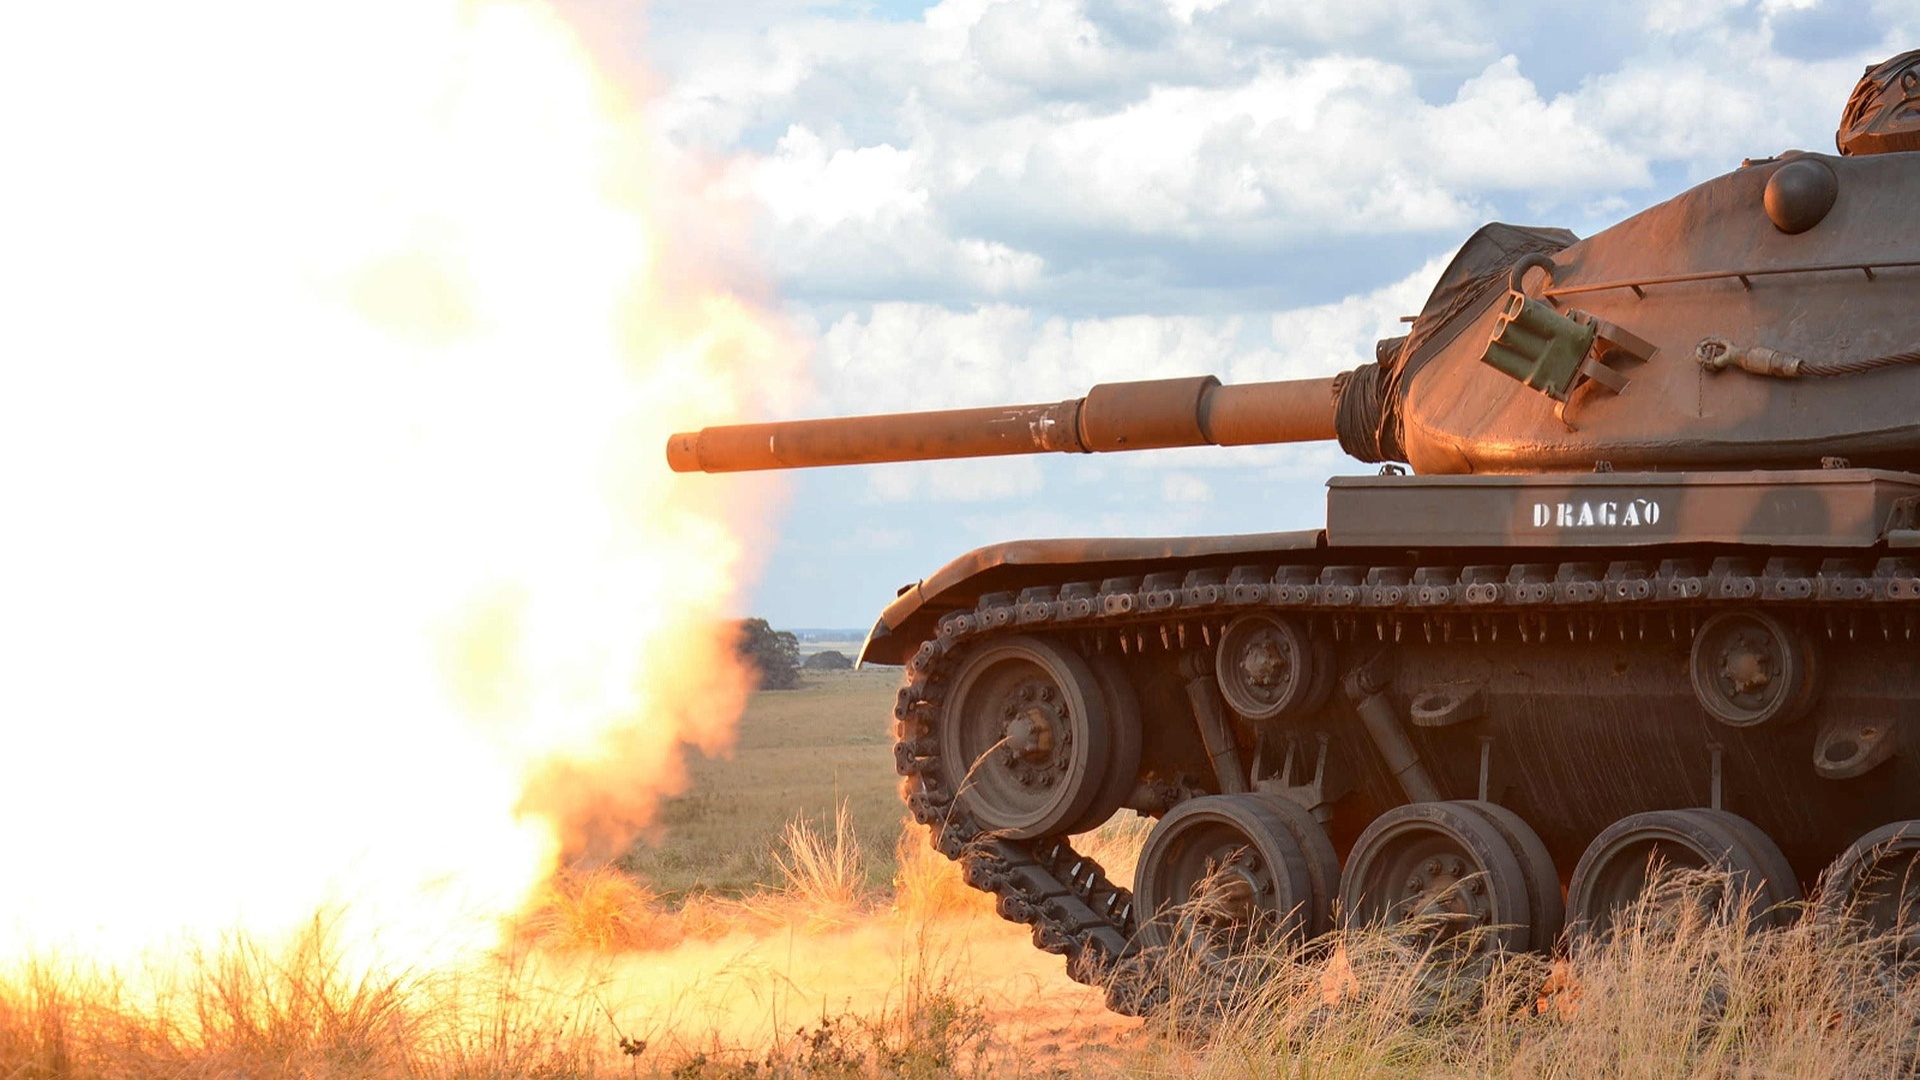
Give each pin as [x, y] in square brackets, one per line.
[827, 660]
[774, 655]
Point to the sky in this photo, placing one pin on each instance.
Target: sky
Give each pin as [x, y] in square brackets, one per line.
[981, 201]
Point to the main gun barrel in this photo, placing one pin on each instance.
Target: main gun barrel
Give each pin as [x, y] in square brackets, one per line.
[1145, 415]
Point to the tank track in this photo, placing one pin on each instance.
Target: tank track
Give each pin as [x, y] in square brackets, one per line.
[1073, 908]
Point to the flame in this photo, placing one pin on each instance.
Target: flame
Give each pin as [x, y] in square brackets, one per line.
[744, 978]
[340, 568]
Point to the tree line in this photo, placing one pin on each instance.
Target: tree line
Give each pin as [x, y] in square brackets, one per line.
[774, 655]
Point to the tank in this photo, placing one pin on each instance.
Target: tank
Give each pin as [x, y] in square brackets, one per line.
[1647, 597]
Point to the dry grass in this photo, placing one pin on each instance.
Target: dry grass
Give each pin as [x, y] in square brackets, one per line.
[823, 873]
[925, 886]
[241, 1010]
[1693, 996]
[597, 911]
[1666, 996]
[1703, 994]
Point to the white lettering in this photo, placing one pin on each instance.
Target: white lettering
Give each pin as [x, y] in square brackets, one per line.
[1606, 514]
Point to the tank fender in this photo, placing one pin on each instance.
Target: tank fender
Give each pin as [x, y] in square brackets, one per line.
[914, 615]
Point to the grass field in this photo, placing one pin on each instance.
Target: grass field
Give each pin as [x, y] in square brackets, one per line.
[772, 929]
[800, 754]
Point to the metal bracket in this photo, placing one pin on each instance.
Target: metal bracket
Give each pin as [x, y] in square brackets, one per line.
[1314, 794]
[1904, 514]
[1853, 747]
[1903, 523]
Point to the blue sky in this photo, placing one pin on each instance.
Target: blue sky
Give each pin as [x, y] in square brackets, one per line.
[1010, 200]
[897, 10]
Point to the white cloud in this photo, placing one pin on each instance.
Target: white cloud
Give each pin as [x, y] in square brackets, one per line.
[864, 217]
[1295, 151]
[998, 149]
[1498, 134]
[1184, 487]
[804, 184]
[918, 356]
[1711, 122]
[981, 152]
[900, 357]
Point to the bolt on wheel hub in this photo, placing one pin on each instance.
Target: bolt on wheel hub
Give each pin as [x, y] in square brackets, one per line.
[1033, 731]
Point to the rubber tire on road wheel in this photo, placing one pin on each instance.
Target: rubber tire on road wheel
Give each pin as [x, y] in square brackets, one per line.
[1188, 845]
[1846, 879]
[1546, 904]
[1612, 871]
[1402, 841]
[1323, 862]
[1123, 722]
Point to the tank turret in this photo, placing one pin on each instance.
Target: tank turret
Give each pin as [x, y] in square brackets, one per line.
[1650, 597]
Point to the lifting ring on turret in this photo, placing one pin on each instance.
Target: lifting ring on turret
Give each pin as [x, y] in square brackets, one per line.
[1876, 883]
[1226, 874]
[1637, 866]
[1517, 278]
[1027, 740]
[1467, 881]
[1749, 668]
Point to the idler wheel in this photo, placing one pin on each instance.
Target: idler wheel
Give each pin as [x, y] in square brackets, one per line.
[1027, 741]
[1750, 668]
[1877, 882]
[1123, 724]
[1230, 873]
[1266, 666]
[1636, 853]
[1447, 865]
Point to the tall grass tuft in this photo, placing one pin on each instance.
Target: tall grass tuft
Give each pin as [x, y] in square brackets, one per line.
[601, 910]
[823, 874]
[926, 886]
[244, 1003]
